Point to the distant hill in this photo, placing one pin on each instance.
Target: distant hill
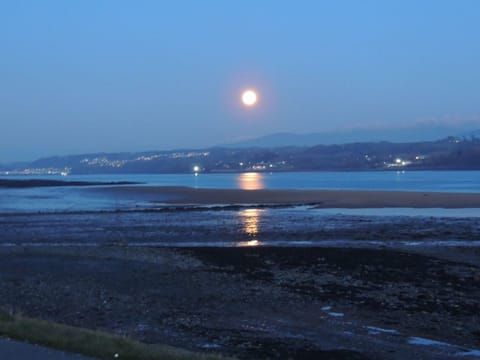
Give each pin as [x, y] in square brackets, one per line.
[449, 153]
[414, 133]
[470, 134]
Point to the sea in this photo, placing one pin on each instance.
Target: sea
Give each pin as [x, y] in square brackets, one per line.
[45, 199]
[443, 181]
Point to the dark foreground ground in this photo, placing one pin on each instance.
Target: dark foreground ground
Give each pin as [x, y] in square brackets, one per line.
[259, 302]
[14, 350]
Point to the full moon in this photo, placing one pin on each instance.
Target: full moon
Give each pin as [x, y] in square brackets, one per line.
[249, 97]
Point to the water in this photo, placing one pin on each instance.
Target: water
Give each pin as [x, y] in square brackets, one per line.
[443, 181]
[72, 198]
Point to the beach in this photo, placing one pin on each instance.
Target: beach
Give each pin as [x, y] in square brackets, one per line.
[257, 274]
[305, 303]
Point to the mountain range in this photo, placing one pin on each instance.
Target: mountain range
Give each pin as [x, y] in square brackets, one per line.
[401, 134]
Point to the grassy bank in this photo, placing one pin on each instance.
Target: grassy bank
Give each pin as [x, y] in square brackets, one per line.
[96, 344]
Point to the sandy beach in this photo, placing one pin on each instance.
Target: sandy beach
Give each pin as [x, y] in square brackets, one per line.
[321, 198]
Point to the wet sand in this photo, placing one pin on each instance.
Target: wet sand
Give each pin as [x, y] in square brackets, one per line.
[321, 198]
[236, 226]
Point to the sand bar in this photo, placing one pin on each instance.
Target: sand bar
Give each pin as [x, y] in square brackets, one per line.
[321, 198]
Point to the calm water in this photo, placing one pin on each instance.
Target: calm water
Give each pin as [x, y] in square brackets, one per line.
[66, 198]
[445, 181]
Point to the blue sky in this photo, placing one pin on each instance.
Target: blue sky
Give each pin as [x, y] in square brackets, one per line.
[89, 76]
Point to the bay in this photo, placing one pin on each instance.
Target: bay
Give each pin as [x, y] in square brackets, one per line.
[72, 199]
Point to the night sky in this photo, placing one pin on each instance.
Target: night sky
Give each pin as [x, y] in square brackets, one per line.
[88, 76]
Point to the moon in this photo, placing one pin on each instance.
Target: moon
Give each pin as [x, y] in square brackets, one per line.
[249, 98]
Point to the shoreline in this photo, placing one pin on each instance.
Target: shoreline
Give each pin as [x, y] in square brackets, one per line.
[255, 302]
[319, 198]
[234, 226]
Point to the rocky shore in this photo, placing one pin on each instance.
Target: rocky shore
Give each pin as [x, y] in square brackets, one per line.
[258, 302]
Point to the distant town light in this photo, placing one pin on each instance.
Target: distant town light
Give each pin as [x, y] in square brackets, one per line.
[196, 168]
[398, 161]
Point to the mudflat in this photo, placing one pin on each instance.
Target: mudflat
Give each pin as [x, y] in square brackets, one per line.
[321, 198]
